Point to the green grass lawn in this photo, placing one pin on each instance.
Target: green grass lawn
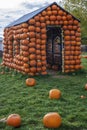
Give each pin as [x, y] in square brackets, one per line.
[32, 103]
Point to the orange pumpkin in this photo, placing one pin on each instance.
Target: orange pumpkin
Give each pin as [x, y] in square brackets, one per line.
[37, 35]
[75, 22]
[24, 25]
[31, 34]
[24, 48]
[49, 8]
[37, 46]
[25, 42]
[69, 17]
[54, 12]
[32, 62]
[65, 27]
[54, 94]
[37, 29]
[43, 36]
[32, 50]
[52, 120]
[36, 18]
[44, 13]
[49, 13]
[25, 30]
[60, 12]
[38, 69]
[37, 24]
[46, 17]
[42, 19]
[33, 69]
[14, 120]
[43, 25]
[38, 41]
[32, 56]
[23, 35]
[30, 82]
[43, 30]
[66, 32]
[70, 22]
[64, 18]
[43, 42]
[32, 44]
[44, 72]
[26, 70]
[25, 53]
[33, 39]
[53, 17]
[39, 64]
[25, 65]
[54, 7]
[59, 17]
[25, 59]
[67, 38]
[85, 86]
[31, 28]
[74, 27]
[31, 21]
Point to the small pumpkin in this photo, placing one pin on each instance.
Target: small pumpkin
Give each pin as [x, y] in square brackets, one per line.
[31, 28]
[54, 7]
[54, 94]
[85, 86]
[24, 25]
[53, 17]
[14, 120]
[36, 18]
[44, 13]
[32, 34]
[33, 69]
[30, 82]
[31, 21]
[37, 24]
[32, 56]
[32, 62]
[52, 120]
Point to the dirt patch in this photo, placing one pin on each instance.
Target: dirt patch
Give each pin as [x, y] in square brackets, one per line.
[55, 74]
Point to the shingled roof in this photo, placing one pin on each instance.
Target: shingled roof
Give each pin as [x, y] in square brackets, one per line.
[28, 16]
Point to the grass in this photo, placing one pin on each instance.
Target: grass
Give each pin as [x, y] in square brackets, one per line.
[32, 103]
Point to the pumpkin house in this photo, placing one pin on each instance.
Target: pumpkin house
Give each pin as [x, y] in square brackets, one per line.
[49, 37]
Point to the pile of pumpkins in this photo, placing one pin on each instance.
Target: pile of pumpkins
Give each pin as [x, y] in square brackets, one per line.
[25, 44]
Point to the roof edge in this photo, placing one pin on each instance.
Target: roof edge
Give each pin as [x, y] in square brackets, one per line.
[15, 23]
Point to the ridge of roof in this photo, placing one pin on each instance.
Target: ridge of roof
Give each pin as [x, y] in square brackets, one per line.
[30, 15]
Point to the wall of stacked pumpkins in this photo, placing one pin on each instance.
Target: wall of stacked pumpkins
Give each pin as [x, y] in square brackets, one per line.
[25, 44]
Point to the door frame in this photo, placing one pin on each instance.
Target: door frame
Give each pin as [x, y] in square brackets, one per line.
[61, 42]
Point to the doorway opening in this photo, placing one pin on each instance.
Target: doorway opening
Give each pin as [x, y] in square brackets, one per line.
[54, 48]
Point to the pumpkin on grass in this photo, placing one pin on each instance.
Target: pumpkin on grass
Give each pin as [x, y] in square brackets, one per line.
[54, 94]
[52, 120]
[14, 120]
[30, 82]
[85, 86]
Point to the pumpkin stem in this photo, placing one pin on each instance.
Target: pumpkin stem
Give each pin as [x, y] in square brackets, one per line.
[3, 120]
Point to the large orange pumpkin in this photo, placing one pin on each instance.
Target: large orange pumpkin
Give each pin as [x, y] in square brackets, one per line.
[54, 94]
[14, 120]
[30, 82]
[52, 120]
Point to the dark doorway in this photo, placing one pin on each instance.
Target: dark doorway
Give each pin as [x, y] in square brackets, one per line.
[54, 48]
